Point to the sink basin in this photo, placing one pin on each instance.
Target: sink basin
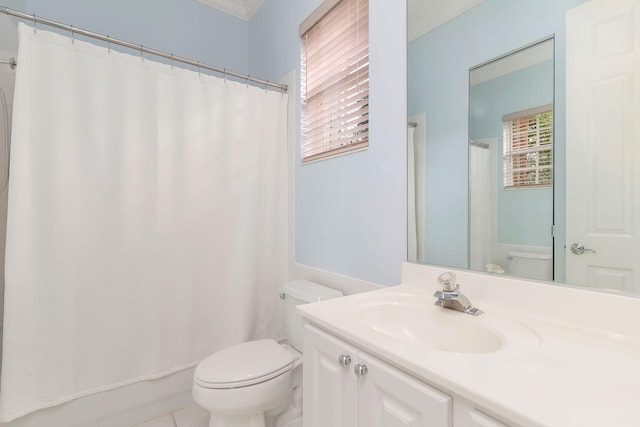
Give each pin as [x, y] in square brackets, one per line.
[435, 328]
[415, 320]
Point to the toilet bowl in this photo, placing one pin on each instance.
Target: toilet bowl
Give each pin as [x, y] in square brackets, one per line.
[246, 383]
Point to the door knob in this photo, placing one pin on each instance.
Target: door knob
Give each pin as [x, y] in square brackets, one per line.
[579, 249]
[344, 360]
[360, 370]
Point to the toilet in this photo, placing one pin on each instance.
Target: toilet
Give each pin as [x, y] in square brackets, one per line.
[243, 384]
[532, 265]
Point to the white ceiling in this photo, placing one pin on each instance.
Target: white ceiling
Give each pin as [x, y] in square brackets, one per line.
[241, 8]
[516, 61]
[423, 15]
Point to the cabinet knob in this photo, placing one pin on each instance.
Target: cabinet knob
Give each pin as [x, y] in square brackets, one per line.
[360, 370]
[344, 360]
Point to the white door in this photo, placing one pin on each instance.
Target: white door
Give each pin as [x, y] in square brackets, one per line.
[603, 145]
[390, 398]
[330, 388]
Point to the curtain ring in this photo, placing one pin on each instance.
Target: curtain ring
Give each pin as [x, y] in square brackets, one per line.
[73, 40]
[266, 87]
[246, 82]
[35, 24]
[198, 68]
[224, 75]
[108, 43]
[141, 52]
[172, 61]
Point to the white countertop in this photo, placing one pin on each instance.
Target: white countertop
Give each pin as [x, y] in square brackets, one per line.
[550, 372]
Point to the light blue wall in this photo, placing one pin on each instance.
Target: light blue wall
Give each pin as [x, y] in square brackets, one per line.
[439, 64]
[525, 215]
[14, 4]
[350, 211]
[185, 28]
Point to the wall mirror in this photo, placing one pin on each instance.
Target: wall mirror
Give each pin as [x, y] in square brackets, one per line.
[521, 155]
[510, 163]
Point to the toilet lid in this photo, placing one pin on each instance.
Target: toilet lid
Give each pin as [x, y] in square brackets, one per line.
[244, 364]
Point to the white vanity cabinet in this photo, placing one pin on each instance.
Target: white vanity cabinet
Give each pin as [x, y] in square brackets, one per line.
[430, 366]
[465, 414]
[346, 387]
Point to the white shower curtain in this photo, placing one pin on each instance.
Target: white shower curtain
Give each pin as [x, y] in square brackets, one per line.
[415, 193]
[147, 220]
[479, 207]
[412, 227]
[7, 83]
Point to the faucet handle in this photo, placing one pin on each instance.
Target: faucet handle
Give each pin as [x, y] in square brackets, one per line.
[448, 281]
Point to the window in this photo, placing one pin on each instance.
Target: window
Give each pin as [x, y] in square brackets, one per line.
[335, 79]
[528, 148]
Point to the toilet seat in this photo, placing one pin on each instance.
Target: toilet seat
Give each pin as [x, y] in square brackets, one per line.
[243, 365]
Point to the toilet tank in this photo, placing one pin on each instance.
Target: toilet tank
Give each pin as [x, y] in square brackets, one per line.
[532, 265]
[298, 292]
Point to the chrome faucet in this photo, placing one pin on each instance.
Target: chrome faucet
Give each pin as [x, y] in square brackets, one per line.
[451, 298]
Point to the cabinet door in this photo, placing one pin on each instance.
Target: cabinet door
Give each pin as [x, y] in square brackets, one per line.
[330, 389]
[390, 398]
[478, 419]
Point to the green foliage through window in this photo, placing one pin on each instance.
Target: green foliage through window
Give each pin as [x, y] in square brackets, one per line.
[528, 151]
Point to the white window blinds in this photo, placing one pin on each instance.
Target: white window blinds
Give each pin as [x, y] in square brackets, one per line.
[528, 148]
[335, 79]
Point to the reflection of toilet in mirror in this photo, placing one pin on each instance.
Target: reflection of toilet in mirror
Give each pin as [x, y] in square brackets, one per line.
[532, 265]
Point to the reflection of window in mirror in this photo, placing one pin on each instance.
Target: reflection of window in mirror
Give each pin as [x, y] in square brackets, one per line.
[528, 148]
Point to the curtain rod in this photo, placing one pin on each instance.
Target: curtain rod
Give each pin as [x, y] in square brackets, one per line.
[73, 30]
[478, 144]
[11, 62]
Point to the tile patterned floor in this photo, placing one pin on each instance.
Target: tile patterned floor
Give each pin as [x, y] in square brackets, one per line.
[191, 416]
